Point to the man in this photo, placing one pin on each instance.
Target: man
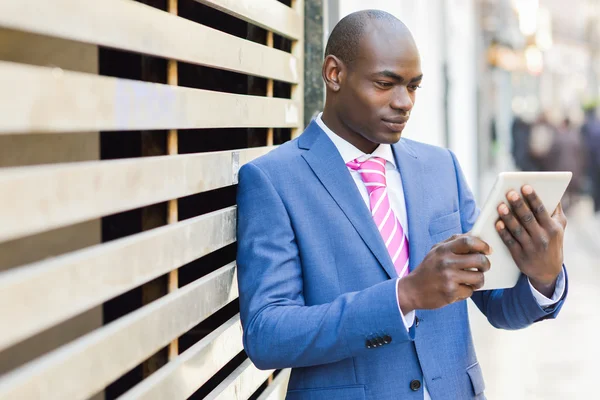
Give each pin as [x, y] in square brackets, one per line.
[353, 265]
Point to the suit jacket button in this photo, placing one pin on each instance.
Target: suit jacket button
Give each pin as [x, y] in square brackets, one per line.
[369, 344]
[417, 321]
[379, 341]
[387, 339]
[415, 385]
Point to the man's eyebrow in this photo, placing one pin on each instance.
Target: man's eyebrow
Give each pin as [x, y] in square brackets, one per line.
[390, 74]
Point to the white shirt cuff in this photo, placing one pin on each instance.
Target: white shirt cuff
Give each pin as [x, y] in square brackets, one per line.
[559, 290]
[409, 319]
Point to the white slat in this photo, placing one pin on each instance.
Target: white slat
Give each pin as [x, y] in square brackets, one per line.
[180, 378]
[40, 198]
[271, 15]
[85, 366]
[132, 26]
[278, 388]
[43, 294]
[53, 100]
[241, 383]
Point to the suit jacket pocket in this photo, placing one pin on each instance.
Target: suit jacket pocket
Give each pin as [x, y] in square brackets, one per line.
[445, 226]
[351, 392]
[476, 376]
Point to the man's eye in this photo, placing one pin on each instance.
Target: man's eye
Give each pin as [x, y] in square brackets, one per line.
[385, 84]
[414, 88]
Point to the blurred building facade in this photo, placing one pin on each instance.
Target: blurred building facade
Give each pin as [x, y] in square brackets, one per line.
[538, 59]
[485, 61]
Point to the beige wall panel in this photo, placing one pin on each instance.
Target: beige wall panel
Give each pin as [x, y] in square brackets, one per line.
[51, 291]
[241, 383]
[54, 100]
[85, 366]
[53, 243]
[278, 388]
[18, 150]
[268, 14]
[179, 379]
[29, 48]
[132, 26]
[48, 197]
[50, 339]
[52, 121]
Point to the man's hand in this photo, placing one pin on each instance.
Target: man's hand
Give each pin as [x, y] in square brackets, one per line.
[445, 275]
[534, 238]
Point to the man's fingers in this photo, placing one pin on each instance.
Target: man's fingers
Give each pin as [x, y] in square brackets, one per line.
[513, 226]
[465, 244]
[560, 216]
[536, 206]
[474, 279]
[525, 216]
[473, 261]
[464, 292]
[511, 243]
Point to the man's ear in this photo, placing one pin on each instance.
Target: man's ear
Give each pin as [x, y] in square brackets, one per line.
[333, 72]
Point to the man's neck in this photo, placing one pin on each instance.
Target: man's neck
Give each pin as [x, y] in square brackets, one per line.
[339, 128]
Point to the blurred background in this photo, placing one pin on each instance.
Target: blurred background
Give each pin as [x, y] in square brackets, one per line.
[123, 124]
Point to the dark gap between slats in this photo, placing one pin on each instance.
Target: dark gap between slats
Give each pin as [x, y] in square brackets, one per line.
[201, 330]
[207, 264]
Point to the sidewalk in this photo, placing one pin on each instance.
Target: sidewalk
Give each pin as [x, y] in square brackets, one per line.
[558, 359]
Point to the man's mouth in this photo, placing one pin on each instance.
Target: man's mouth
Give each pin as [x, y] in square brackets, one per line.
[395, 124]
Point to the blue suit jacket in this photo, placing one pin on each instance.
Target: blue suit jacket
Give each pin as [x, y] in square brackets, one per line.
[315, 278]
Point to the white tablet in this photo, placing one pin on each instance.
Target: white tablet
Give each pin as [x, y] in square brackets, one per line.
[549, 186]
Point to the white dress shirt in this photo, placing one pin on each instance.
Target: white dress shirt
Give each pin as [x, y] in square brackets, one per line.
[398, 204]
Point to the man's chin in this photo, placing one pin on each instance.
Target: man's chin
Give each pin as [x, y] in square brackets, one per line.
[389, 137]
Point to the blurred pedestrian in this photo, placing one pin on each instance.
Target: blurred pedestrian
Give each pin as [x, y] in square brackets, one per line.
[591, 139]
[540, 143]
[521, 134]
[566, 154]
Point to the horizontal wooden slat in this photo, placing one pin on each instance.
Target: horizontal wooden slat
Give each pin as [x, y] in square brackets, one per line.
[40, 295]
[40, 198]
[129, 25]
[241, 383]
[180, 378]
[271, 15]
[85, 366]
[278, 388]
[53, 100]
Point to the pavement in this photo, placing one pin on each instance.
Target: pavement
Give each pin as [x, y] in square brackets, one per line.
[554, 359]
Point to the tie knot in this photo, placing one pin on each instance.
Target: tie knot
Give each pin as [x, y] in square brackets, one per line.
[372, 172]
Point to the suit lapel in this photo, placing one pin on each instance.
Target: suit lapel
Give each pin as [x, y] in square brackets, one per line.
[327, 164]
[411, 171]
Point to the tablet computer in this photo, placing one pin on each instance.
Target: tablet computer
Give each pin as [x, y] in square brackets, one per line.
[549, 186]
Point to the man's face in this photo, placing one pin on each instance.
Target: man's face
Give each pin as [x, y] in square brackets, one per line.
[378, 93]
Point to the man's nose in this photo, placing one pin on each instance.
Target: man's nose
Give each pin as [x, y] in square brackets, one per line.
[401, 99]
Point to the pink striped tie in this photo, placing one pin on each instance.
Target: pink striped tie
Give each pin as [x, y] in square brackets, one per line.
[372, 172]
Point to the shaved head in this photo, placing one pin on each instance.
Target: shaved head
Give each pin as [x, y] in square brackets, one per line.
[346, 35]
[372, 70]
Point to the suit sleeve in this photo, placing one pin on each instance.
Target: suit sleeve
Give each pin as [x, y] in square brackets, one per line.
[514, 308]
[280, 330]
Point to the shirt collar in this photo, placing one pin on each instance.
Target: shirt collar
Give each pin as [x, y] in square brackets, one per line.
[350, 153]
